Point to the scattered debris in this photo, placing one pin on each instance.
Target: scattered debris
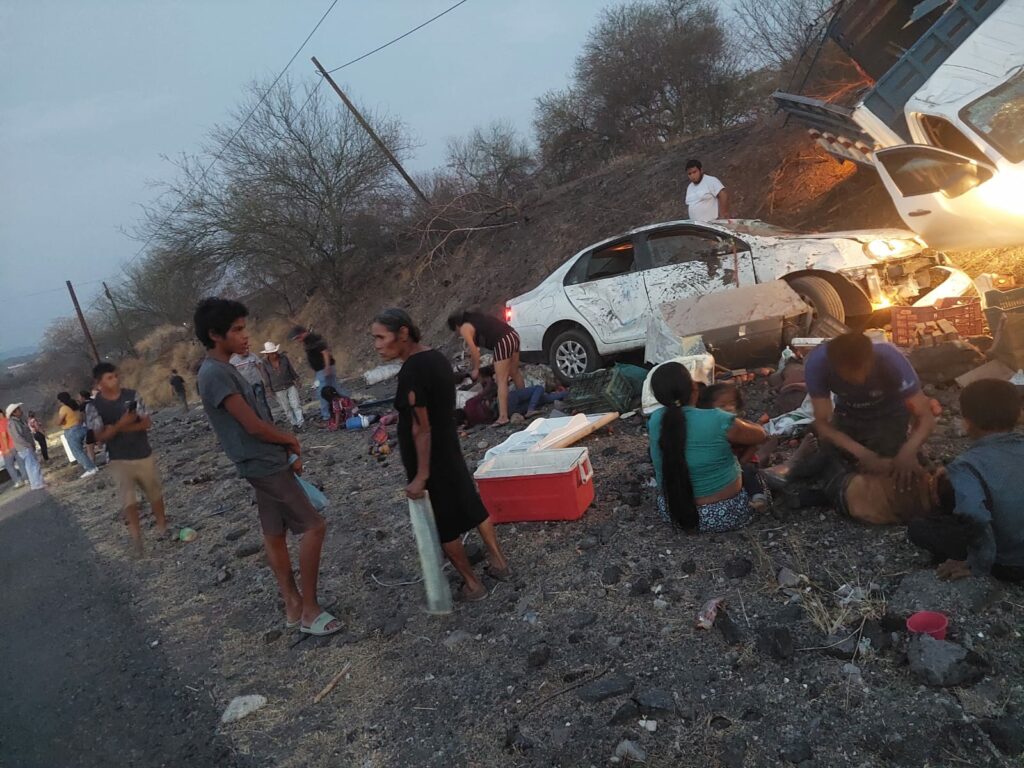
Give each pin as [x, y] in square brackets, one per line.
[709, 612]
[243, 706]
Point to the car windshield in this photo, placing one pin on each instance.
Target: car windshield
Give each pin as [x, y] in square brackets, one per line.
[999, 117]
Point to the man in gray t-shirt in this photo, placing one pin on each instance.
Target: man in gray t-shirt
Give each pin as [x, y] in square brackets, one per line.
[267, 458]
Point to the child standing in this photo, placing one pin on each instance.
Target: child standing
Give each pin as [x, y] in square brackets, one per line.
[260, 451]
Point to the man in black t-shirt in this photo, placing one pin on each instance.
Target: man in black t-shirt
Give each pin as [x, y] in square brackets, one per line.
[120, 419]
[318, 353]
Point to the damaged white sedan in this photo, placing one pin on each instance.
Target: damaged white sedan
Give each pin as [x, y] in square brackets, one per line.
[598, 303]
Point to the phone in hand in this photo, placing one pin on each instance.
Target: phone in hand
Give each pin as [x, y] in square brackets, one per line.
[132, 406]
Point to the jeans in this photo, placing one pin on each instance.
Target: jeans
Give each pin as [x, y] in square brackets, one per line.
[529, 399]
[326, 378]
[15, 467]
[288, 399]
[180, 394]
[32, 468]
[76, 439]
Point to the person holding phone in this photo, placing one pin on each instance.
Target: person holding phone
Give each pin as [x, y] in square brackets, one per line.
[120, 419]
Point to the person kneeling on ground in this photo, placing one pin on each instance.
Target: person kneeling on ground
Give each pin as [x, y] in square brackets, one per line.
[431, 453]
[877, 395]
[986, 533]
[483, 409]
[261, 452]
[119, 418]
[694, 464]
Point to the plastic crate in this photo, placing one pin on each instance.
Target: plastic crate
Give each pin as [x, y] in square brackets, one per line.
[608, 390]
[999, 302]
[963, 313]
[537, 486]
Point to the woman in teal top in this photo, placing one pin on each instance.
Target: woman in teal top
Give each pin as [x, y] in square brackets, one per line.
[694, 463]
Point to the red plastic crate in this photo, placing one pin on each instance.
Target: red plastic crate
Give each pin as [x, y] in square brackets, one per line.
[964, 313]
[537, 486]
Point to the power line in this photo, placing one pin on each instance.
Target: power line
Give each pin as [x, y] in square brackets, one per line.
[391, 42]
[228, 143]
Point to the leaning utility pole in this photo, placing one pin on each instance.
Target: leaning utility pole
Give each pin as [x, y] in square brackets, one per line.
[120, 320]
[373, 134]
[81, 319]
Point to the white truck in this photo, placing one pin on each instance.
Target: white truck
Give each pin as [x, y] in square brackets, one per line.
[943, 124]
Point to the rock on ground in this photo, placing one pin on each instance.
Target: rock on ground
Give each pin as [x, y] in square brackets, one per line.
[243, 706]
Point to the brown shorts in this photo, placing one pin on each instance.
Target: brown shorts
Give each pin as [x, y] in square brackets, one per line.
[506, 347]
[283, 504]
[140, 472]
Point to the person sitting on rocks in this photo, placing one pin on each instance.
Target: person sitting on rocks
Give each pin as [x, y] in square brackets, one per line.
[986, 533]
[694, 464]
[726, 396]
[877, 397]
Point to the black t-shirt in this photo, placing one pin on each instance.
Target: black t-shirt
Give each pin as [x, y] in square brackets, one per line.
[100, 412]
[427, 375]
[315, 346]
[489, 330]
[177, 383]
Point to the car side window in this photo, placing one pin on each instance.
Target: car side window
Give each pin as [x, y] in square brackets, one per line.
[684, 245]
[609, 261]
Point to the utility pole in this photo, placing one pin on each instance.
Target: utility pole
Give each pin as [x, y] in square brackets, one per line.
[81, 319]
[120, 320]
[373, 134]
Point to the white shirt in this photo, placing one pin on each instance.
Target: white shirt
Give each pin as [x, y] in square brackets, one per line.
[702, 198]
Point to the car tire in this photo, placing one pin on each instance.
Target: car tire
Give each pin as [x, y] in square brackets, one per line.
[573, 354]
[823, 299]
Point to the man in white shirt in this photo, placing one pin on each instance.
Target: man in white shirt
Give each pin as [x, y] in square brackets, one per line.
[706, 197]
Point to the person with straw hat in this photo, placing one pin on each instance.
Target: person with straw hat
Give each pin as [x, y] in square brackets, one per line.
[25, 444]
[283, 379]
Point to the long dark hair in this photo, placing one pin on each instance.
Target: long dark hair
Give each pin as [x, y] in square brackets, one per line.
[455, 319]
[395, 319]
[66, 399]
[672, 386]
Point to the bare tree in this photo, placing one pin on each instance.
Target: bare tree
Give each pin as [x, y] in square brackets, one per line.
[778, 32]
[494, 161]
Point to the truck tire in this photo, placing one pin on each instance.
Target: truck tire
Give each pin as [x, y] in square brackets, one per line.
[573, 354]
[821, 297]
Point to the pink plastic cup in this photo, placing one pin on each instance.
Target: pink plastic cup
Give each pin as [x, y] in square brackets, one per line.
[928, 623]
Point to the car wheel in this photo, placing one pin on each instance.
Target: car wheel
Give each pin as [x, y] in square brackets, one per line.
[573, 354]
[822, 298]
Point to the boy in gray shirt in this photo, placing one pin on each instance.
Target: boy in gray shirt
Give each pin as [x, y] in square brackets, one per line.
[261, 452]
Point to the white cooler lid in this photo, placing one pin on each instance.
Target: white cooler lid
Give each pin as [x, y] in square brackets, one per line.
[552, 462]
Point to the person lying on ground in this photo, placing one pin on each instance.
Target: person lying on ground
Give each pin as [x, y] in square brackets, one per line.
[430, 449]
[262, 453]
[877, 397]
[480, 330]
[986, 533]
[119, 418]
[791, 386]
[483, 408]
[691, 449]
[869, 498]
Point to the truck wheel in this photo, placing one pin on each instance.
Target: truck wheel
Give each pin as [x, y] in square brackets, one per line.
[573, 354]
[822, 298]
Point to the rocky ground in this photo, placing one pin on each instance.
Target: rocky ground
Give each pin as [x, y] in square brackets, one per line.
[590, 656]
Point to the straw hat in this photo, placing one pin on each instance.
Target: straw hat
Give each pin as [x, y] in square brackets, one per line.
[12, 408]
[269, 348]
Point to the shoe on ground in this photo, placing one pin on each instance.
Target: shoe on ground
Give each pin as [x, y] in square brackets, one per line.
[90, 473]
[18, 485]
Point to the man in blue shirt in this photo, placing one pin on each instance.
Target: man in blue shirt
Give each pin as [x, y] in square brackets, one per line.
[878, 398]
[986, 532]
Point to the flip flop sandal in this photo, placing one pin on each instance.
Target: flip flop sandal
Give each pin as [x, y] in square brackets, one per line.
[318, 627]
[292, 624]
[499, 574]
[471, 597]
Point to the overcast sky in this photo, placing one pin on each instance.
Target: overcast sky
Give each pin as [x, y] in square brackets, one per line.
[93, 92]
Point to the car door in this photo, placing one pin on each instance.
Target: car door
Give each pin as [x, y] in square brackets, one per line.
[691, 260]
[953, 201]
[608, 291]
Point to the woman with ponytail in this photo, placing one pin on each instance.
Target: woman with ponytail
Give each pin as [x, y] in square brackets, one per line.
[691, 449]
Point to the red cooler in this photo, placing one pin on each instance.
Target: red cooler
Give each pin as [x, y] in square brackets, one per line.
[537, 486]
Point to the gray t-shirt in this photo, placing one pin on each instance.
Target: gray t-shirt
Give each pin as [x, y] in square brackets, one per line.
[252, 456]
